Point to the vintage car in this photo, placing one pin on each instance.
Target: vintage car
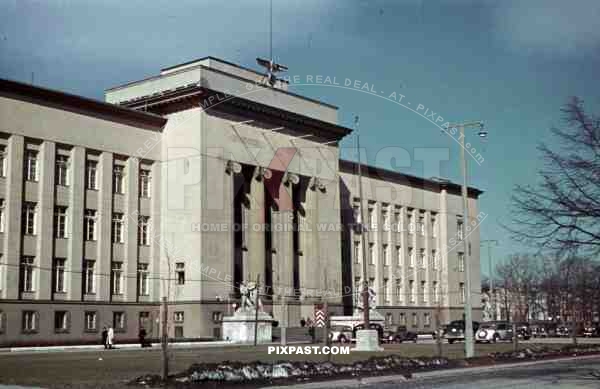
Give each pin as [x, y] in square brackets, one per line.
[401, 334]
[342, 334]
[456, 331]
[494, 332]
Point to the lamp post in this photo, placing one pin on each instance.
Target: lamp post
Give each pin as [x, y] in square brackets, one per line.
[469, 347]
[489, 242]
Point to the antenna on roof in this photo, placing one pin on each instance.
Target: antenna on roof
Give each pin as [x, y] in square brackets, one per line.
[271, 67]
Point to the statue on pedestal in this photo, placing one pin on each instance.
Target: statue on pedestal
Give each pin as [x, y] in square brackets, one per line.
[249, 292]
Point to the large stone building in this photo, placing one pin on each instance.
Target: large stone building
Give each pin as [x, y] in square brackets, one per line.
[186, 184]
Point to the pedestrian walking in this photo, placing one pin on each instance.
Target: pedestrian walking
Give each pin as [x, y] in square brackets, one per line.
[111, 337]
[105, 337]
[142, 337]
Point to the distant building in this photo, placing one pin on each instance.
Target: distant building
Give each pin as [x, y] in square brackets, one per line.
[173, 188]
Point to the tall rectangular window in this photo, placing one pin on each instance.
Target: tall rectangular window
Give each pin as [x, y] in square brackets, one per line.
[58, 275]
[461, 262]
[89, 225]
[30, 321]
[422, 258]
[143, 279]
[144, 230]
[60, 222]
[399, 289]
[29, 218]
[385, 291]
[426, 319]
[411, 256]
[118, 179]
[399, 255]
[421, 224]
[119, 321]
[91, 321]
[372, 253]
[424, 291]
[461, 292]
[411, 223]
[2, 214]
[435, 259]
[117, 277]
[415, 320]
[411, 287]
[145, 180]
[88, 277]
[357, 257]
[91, 175]
[180, 273]
[434, 225]
[31, 165]
[61, 321]
[27, 273]
[436, 292]
[3, 160]
[386, 255]
[402, 318]
[117, 228]
[62, 170]
[397, 221]
[386, 219]
[460, 230]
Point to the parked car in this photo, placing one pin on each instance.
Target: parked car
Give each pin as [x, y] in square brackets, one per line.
[523, 331]
[342, 334]
[373, 326]
[563, 331]
[591, 331]
[494, 332]
[401, 334]
[538, 331]
[456, 330]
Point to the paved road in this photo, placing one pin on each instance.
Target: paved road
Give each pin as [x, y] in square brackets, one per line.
[559, 375]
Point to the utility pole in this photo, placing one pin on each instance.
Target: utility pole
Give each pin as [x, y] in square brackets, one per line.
[469, 346]
[284, 317]
[492, 294]
[363, 237]
[256, 310]
[164, 340]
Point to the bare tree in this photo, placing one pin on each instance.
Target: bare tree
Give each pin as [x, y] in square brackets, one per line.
[561, 212]
[519, 279]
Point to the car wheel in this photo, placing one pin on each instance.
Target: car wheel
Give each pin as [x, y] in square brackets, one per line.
[496, 338]
[342, 339]
[450, 341]
[527, 337]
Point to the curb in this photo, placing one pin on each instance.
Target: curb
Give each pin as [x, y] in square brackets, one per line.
[358, 382]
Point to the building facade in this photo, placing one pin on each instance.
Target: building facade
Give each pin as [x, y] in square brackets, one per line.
[185, 185]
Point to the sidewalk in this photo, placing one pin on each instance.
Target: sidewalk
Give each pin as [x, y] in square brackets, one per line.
[131, 346]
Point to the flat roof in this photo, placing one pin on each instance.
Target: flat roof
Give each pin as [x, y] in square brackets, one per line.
[347, 166]
[80, 105]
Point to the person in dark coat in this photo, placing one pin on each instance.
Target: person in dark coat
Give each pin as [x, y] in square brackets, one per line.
[104, 337]
[142, 337]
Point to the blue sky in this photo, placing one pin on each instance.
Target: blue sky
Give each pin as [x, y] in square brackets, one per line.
[510, 63]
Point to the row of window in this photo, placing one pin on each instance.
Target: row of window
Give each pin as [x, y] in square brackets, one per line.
[62, 321]
[389, 319]
[415, 224]
[424, 291]
[30, 215]
[62, 172]
[28, 273]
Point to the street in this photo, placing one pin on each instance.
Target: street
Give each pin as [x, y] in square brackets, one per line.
[567, 374]
[112, 368]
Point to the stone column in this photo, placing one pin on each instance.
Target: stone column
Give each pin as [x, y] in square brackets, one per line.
[75, 223]
[45, 236]
[103, 226]
[12, 236]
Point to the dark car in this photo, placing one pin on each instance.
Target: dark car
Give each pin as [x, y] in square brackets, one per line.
[456, 330]
[401, 334]
[523, 331]
[373, 326]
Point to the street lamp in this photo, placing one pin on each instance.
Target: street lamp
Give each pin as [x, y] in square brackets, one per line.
[491, 274]
[478, 124]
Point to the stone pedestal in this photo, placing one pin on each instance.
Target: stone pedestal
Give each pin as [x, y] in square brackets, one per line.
[367, 340]
[239, 328]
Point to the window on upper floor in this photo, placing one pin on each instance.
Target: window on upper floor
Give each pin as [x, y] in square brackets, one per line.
[29, 218]
[89, 224]
[3, 160]
[143, 279]
[60, 222]
[58, 275]
[27, 280]
[31, 166]
[118, 230]
[91, 175]
[461, 262]
[2, 214]
[144, 230]
[62, 170]
[118, 179]
[145, 181]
